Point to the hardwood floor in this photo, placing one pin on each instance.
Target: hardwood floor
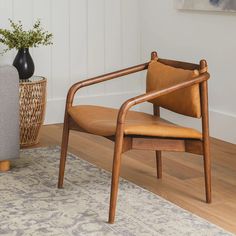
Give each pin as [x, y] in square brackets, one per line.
[182, 182]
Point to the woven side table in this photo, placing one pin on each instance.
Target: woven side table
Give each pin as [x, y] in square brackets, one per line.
[32, 109]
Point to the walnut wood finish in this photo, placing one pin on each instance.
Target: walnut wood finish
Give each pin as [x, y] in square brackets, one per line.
[64, 147]
[116, 170]
[156, 112]
[124, 143]
[205, 131]
[162, 144]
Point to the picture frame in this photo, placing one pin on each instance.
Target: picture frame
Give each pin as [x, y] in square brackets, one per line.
[206, 5]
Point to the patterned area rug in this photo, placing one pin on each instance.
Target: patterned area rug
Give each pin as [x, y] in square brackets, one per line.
[30, 203]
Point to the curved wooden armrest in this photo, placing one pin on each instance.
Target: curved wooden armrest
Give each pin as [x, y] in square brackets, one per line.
[75, 87]
[157, 93]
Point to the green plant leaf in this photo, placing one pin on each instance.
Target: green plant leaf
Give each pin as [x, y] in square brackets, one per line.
[16, 37]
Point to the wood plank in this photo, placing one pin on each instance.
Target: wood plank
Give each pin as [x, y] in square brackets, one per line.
[191, 146]
[158, 144]
[186, 190]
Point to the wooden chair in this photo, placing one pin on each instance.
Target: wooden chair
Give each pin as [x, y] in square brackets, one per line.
[178, 86]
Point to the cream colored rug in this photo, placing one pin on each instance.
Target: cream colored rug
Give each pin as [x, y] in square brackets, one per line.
[31, 204]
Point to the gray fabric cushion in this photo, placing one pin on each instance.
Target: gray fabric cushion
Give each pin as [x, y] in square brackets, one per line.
[9, 113]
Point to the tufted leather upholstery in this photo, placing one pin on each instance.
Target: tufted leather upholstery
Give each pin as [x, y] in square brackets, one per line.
[185, 101]
[102, 121]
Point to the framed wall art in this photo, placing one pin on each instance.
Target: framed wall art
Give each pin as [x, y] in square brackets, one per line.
[206, 5]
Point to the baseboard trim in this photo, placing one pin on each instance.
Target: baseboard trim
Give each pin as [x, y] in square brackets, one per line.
[223, 125]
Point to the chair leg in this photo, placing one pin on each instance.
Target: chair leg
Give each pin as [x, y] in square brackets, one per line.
[64, 146]
[115, 180]
[207, 170]
[205, 131]
[159, 164]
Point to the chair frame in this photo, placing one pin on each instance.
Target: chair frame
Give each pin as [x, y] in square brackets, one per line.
[124, 143]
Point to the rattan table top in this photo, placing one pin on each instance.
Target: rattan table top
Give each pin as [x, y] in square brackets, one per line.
[33, 79]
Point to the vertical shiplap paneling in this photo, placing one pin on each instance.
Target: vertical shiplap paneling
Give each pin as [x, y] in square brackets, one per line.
[113, 43]
[42, 54]
[60, 48]
[78, 42]
[23, 11]
[96, 43]
[131, 42]
[5, 13]
[90, 38]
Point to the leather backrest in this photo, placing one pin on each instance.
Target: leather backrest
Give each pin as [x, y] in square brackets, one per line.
[185, 101]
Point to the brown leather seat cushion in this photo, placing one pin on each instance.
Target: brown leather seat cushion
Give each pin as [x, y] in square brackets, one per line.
[102, 121]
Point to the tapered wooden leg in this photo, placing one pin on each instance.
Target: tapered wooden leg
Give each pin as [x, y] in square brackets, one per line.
[4, 165]
[159, 164]
[64, 146]
[207, 170]
[156, 112]
[115, 177]
[206, 137]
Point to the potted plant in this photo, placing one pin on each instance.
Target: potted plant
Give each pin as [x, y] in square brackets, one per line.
[22, 40]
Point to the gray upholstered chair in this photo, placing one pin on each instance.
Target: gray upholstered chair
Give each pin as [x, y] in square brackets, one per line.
[9, 116]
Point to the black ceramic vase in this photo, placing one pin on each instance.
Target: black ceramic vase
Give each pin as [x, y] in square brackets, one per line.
[24, 63]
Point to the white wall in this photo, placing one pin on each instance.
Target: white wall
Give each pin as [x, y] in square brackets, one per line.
[190, 36]
[91, 37]
[96, 36]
